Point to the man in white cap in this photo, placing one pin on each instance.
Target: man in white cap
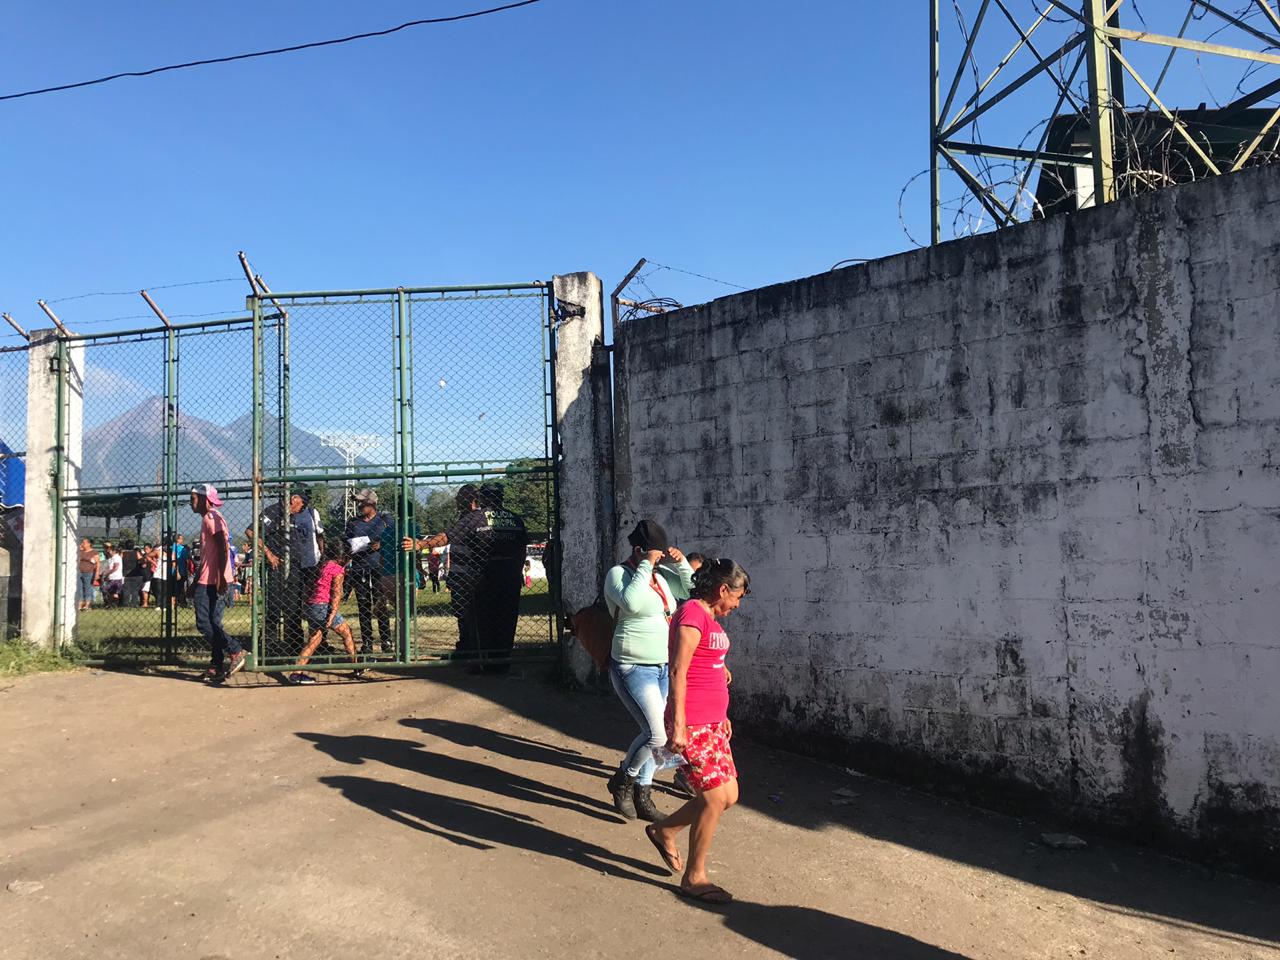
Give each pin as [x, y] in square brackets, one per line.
[211, 583]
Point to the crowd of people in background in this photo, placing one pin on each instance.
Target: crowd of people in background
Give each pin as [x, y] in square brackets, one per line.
[132, 575]
[481, 560]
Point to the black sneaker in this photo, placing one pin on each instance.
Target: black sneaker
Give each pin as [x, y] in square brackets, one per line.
[301, 678]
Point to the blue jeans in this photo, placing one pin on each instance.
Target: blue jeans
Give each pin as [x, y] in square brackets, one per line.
[642, 688]
[209, 605]
[84, 587]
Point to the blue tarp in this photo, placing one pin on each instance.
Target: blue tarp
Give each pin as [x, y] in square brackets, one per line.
[13, 477]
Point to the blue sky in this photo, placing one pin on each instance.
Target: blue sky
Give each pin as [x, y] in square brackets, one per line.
[747, 140]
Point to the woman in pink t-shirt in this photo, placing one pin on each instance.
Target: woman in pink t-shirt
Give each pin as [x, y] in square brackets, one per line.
[698, 723]
[321, 607]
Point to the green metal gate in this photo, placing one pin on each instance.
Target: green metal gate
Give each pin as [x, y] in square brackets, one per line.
[415, 393]
[412, 392]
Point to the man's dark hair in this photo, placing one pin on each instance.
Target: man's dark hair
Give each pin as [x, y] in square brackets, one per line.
[491, 495]
[715, 573]
[467, 494]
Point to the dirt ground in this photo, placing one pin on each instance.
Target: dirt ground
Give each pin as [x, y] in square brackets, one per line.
[456, 816]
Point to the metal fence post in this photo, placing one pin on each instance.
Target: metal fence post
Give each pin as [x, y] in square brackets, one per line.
[404, 458]
[256, 605]
[59, 485]
[170, 458]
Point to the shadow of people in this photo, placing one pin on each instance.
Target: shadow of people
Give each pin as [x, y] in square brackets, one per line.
[808, 934]
[410, 755]
[479, 826]
[798, 792]
[507, 744]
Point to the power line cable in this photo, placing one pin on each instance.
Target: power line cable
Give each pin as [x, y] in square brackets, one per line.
[134, 293]
[270, 53]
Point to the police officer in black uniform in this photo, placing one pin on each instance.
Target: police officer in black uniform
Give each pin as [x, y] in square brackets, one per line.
[465, 567]
[502, 576]
[486, 557]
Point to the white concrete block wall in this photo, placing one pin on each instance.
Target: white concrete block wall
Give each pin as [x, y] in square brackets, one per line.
[1011, 505]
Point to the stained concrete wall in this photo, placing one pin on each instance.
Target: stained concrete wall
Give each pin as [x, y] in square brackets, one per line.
[1011, 505]
[42, 527]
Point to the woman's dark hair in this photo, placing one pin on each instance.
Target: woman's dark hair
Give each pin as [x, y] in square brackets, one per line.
[715, 573]
[695, 556]
[333, 548]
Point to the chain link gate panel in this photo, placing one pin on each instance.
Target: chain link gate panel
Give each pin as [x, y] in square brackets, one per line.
[419, 415]
[163, 409]
[13, 447]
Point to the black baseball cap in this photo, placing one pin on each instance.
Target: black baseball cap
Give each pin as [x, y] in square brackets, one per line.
[648, 535]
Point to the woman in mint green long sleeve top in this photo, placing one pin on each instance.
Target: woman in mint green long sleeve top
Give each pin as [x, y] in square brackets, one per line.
[641, 594]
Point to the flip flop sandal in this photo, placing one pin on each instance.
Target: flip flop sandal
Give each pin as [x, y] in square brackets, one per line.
[708, 894]
[671, 860]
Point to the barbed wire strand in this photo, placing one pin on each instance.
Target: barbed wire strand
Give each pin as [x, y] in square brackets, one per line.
[700, 276]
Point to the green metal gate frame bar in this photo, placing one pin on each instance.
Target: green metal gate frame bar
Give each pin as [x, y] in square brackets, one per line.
[406, 469]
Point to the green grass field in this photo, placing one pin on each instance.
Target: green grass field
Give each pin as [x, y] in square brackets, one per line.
[134, 633]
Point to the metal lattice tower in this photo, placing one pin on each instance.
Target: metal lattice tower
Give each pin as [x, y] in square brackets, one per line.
[1065, 74]
[350, 446]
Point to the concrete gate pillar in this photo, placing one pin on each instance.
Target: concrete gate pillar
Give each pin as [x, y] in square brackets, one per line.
[43, 524]
[584, 418]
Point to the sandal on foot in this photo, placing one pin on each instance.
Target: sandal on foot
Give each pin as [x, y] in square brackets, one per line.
[672, 860]
[709, 893]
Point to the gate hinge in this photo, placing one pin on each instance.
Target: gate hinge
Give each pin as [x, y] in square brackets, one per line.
[55, 365]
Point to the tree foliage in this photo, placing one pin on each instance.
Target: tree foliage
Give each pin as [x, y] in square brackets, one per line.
[435, 508]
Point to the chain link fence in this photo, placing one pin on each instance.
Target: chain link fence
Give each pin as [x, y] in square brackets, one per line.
[13, 446]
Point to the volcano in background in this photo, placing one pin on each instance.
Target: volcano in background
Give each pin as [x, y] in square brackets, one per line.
[129, 450]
